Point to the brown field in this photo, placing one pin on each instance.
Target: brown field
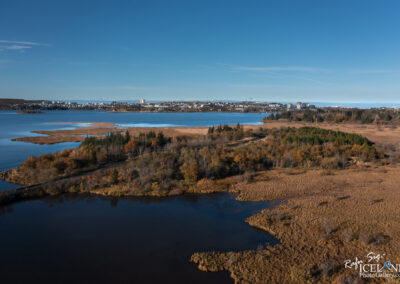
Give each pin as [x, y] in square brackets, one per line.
[51, 139]
[101, 128]
[325, 218]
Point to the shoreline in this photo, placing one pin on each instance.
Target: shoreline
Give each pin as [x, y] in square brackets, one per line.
[102, 128]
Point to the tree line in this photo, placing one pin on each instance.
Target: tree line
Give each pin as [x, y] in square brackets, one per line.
[152, 162]
[383, 116]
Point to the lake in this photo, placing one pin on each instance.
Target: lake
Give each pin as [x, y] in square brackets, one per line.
[82, 239]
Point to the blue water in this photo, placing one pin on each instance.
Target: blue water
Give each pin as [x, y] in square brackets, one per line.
[80, 239]
[13, 125]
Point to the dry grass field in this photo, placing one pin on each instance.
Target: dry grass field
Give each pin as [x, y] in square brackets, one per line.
[324, 219]
[101, 128]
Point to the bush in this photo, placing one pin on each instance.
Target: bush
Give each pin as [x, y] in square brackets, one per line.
[339, 115]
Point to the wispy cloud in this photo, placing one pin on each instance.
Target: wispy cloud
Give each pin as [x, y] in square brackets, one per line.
[19, 42]
[18, 45]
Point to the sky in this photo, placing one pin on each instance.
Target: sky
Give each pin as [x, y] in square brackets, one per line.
[344, 51]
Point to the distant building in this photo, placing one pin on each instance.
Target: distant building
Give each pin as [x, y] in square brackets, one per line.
[142, 101]
[300, 105]
[274, 105]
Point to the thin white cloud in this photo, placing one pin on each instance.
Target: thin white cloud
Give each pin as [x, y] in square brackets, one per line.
[15, 47]
[18, 45]
[19, 42]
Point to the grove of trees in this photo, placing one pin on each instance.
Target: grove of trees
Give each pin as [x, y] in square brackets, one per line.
[337, 115]
[152, 162]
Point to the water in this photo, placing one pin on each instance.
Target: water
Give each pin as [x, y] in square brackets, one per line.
[93, 240]
[13, 125]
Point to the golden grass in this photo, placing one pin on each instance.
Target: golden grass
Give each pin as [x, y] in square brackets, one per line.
[324, 218]
[101, 128]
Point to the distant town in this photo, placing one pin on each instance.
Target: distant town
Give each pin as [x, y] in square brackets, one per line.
[32, 106]
[145, 106]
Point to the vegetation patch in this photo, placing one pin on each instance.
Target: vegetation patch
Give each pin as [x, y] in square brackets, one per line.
[151, 163]
[365, 116]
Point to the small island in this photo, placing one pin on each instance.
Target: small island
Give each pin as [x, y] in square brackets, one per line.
[29, 112]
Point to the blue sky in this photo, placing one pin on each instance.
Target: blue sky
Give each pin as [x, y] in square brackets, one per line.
[321, 50]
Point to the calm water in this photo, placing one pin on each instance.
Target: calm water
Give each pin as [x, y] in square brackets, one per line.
[13, 125]
[93, 240]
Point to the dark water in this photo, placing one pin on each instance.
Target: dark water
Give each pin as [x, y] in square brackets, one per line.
[92, 240]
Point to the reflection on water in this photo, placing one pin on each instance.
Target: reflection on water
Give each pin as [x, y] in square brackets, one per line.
[83, 239]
